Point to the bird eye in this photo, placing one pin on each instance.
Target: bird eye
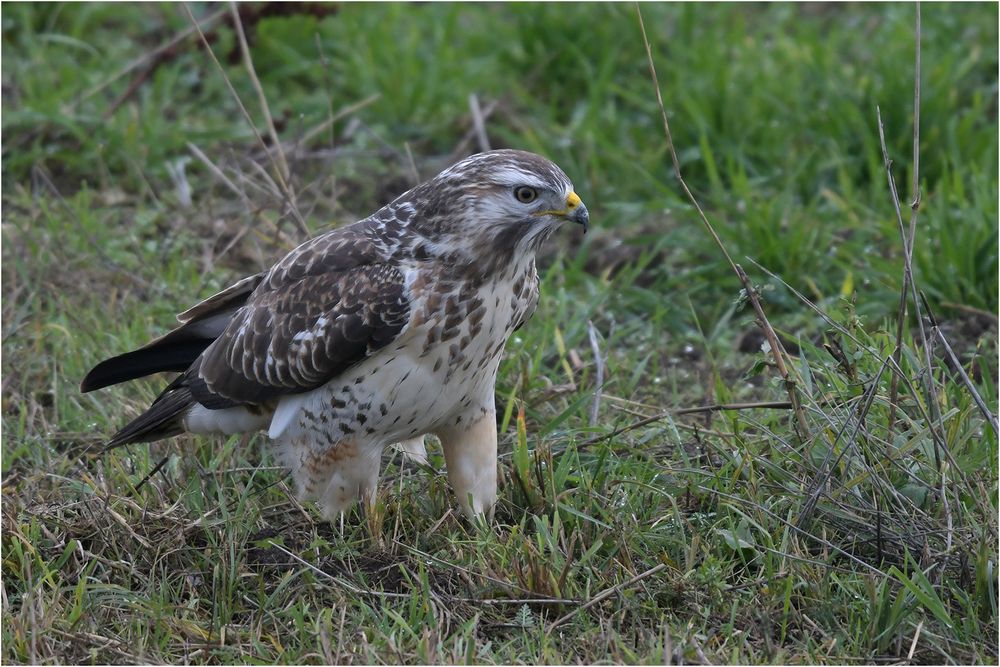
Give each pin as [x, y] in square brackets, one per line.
[525, 195]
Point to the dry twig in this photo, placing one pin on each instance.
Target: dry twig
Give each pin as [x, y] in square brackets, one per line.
[599, 360]
[283, 185]
[953, 358]
[777, 350]
[261, 98]
[909, 285]
[645, 421]
[147, 60]
[478, 123]
[604, 595]
[908, 241]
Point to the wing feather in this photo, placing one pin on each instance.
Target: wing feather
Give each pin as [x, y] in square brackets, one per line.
[177, 349]
[236, 293]
[327, 306]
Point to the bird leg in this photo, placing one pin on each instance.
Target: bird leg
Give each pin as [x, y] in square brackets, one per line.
[339, 474]
[470, 452]
[414, 449]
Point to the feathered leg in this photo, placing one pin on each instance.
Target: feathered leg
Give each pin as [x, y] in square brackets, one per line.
[414, 449]
[470, 451]
[337, 475]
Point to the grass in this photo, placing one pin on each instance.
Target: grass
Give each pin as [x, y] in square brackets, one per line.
[707, 537]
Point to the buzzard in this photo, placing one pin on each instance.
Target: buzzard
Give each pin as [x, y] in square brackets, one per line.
[371, 334]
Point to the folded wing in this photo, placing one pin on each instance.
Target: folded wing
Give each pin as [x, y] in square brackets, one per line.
[328, 305]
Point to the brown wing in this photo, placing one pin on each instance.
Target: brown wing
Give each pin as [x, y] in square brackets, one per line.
[325, 307]
[234, 295]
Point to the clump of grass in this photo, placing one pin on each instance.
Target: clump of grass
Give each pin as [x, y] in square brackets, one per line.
[888, 500]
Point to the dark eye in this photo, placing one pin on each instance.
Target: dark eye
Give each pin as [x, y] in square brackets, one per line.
[525, 195]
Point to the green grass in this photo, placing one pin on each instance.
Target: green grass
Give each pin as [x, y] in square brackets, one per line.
[852, 544]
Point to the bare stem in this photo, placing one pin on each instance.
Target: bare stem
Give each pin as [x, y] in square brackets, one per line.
[777, 350]
[599, 380]
[909, 286]
[478, 123]
[149, 57]
[604, 595]
[950, 353]
[907, 240]
[261, 98]
[282, 184]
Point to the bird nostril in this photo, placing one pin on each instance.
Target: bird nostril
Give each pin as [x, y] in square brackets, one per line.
[572, 201]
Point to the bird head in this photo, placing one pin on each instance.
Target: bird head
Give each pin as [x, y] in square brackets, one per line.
[494, 207]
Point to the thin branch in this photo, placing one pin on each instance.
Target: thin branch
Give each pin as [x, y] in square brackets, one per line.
[285, 190]
[645, 421]
[893, 366]
[333, 118]
[826, 468]
[357, 590]
[216, 171]
[908, 241]
[472, 573]
[605, 595]
[462, 147]
[599, 364]
[478, 123]
[980, 403]
[261, 98]
[777, 351]
[801, 531]
[909, 283]
[150, 57]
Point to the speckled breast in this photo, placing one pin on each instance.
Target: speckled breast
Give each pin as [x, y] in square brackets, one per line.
[441, 369]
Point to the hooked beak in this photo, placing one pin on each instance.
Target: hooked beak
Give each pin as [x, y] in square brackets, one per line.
[574, 211]
[577, 211]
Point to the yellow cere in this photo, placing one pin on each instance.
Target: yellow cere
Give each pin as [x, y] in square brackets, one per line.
[572, 201]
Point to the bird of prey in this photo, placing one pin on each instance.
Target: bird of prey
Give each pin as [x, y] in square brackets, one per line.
[372, 334]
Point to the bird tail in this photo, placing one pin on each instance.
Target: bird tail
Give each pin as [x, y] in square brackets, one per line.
[163, 419]
[176, 351]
